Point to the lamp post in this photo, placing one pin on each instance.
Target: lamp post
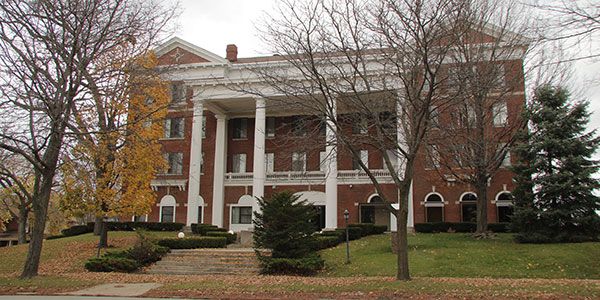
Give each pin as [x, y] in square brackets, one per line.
[346, 217]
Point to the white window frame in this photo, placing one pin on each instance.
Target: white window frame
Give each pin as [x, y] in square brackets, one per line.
[270, 127]
[238, 163]
[432, 159]
[394, 156]
[178, 92]
[170, 170]
[167, 201]
[269, 162]
[203, 127]
[323, 161]
[234, 207]
[243, 128]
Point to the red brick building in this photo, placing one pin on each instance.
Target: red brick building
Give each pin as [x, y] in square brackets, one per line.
[225, 147]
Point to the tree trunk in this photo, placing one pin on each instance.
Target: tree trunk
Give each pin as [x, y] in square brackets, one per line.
[22, 233]
[40, 212]
[103, 241]
[481, 187]
[402, 234]
[98, 225]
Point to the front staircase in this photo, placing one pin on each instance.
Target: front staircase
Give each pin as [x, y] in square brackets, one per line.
[241, 261]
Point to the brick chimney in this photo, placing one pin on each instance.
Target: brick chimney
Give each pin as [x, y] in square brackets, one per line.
[231, 53]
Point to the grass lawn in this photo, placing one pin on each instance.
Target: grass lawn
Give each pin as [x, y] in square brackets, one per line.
[459, 255]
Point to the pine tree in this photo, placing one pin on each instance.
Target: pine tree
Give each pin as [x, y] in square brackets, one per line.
[554, 200]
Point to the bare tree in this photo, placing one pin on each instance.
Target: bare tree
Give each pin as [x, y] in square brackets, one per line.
[15, 183]
[46, 49]
[484, 78]
[374, 65]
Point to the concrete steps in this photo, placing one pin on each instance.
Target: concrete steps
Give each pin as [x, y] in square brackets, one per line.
[240, 261]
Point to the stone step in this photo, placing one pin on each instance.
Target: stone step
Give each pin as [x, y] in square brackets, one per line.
[242, 261]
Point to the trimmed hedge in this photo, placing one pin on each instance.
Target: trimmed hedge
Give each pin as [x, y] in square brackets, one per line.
[308, 265]
[194, 243]
[324, 242]
[202, 229]
[369, 228]
[149, 226]
[231, 237]
[458, 227]
[77, 230]
[354, 233]
[111, 264]
[340, 235]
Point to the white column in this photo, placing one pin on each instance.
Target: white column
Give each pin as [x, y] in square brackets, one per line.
[331, 186]
[219, 172]
[195, 163]
[258, 168]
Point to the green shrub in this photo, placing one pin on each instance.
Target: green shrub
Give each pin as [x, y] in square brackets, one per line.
[499, 227]
[76, 230]
[354, 233]
[445, 227]
[117, 254]
[369, 228]
[193, 243]
[379, 229]
[111, 264]
[202, 229]
[283, 225]
[145, 251]
[324, 242]
[231, 237]
[131, 226]
[53, 237]
[307, 265]
[340, 235]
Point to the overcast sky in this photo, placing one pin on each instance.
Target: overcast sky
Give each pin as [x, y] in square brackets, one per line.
[212, 24]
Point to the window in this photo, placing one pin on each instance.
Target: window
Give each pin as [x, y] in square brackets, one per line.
[504, 203]
[364, 158]
[433, 157]
[270, 127]
[469, 207]
[239, 163]
[177, 93]
[299, 161]
[241, 215]
[434, 208]
[394, 156]
[240, 128]
[323, 161]
[167, 214]
[174, 128]
[175, 163]
[298, 126]
[434, 117]
[388, 121]
[269, 162]
[359, 125]
[500, 114]
[200, 208]
[506, 160]
[143, 218]
[202, 163]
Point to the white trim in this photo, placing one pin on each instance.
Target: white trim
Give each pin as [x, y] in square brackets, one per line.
[244, 201]
[175, 42]
[370, 198]
[463, 194]
[433, 203]
[316, 198]
[502, 202]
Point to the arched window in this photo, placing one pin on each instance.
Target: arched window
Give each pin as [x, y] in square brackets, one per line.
[434, 208]
[375, 199]
[167, 209]
[374, 211]
[504, 204]
[468, 202]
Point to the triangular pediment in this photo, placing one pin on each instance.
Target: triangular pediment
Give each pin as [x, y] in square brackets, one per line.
[177, 51]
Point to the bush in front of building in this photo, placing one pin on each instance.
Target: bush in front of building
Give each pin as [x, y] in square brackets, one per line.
[143, 253]
[354, 233]
[341, 236]
[369, 228]
[194, 242]
[283, 225]
[76, 230]
[324, 242]
[112, 264]
[150, 226]
[202, 229]
[499, 227]
[434, 227]
[231, 237]
[307, 265]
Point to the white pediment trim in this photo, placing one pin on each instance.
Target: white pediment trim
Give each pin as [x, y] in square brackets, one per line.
[175, 42]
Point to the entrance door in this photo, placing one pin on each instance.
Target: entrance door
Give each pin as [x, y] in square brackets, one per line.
[319, 222]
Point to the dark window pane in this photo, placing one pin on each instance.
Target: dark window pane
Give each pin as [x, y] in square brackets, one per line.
[367, 214]
[504, 213]
[435, 214]
[167, 214]
[469, 212]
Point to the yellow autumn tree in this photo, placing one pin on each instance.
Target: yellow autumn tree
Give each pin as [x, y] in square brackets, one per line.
[113, 157]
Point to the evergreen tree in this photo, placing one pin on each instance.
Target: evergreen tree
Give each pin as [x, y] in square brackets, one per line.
[554, 200]
[284, 225]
